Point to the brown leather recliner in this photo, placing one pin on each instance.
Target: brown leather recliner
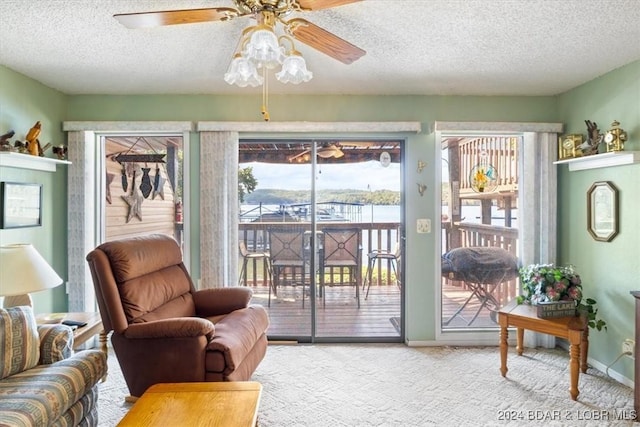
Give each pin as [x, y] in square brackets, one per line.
[163, 329]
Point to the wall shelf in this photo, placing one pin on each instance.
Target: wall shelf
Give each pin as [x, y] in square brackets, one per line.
[603, 160]
[27, 161]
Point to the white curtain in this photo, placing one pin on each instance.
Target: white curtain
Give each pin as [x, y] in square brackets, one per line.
[218, 209]
[539, 212]
[81, 221]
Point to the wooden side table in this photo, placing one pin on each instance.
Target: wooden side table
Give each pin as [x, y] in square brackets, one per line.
[197, 404]
[81, 335]
[572, 328]
[85, 333]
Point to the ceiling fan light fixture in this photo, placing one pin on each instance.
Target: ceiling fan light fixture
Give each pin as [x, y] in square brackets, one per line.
[294, 69]
[243, 73]
[263, 48]
[259, 47]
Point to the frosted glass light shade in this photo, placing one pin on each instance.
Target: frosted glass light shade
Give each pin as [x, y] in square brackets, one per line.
[23, 270]
[242, 72]
[263, 48]
[294, 70]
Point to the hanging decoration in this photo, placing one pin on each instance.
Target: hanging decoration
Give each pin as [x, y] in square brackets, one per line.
[483, 177]
[134, 200]
[110, 178]
[158, 185]
[125, 184]
[139, 158]
[145, 184]
[131, 167]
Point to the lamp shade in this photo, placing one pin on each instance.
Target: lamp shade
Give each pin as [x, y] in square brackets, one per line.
[24, 270]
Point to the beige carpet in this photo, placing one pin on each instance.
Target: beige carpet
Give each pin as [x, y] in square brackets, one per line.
[394, 385]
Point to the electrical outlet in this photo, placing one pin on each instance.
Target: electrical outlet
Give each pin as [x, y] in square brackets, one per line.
[629, 347]
[424, 225]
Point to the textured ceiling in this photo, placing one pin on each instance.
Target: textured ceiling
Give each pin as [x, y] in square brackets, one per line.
[430, 47]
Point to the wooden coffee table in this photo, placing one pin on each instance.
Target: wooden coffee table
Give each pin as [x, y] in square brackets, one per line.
[197, 404]
[572, 328]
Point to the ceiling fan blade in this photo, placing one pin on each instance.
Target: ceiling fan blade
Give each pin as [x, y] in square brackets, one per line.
[358, 143]
[324, 41]
[173, 17]
[323, 4]
[300, 157]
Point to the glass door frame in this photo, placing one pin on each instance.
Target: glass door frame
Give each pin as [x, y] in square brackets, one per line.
[537, 202]
[313, 300]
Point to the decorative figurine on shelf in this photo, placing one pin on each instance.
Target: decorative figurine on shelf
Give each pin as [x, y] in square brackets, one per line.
[594, 138]
[20, 147]
[33, 145]
[615, 137]
[60, 151]
[569, 146]
[41, 150]
[5, 144]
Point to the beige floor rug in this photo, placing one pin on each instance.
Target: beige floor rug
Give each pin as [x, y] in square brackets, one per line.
[394, 385]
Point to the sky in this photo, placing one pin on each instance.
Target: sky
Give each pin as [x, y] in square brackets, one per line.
[353, 176]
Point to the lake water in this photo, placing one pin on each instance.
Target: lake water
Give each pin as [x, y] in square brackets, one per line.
[386, 213]
[379, 213]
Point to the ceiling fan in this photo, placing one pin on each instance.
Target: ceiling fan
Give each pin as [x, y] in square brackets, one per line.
[266, 12]
[327, 150]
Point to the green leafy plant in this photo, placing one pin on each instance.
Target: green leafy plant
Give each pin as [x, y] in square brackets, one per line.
[542, 283]
[247, 183]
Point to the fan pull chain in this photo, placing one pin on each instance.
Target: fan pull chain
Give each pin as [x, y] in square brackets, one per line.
[265, 95]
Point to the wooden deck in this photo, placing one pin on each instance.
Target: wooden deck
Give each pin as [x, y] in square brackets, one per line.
[453, 299]
[340, 317]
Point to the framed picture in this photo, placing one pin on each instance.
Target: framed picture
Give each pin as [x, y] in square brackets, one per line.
[602, 211]
[21, 205]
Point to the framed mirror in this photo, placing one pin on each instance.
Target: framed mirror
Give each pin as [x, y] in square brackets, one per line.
[602, 211]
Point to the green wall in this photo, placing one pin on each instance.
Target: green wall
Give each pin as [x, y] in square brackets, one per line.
[24, 101]
[606, 268]
[609, 270]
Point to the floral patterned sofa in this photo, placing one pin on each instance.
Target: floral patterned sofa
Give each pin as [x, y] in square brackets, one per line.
[42, 381]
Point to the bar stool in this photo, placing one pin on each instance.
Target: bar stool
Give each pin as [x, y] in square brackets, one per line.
[248, 255]
[376, 255]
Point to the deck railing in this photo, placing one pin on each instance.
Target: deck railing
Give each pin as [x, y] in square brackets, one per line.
[499, 152]
[384, 236]
[473, 235]
[375, 236]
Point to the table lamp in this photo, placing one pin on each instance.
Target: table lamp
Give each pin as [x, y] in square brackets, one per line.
[23, 270]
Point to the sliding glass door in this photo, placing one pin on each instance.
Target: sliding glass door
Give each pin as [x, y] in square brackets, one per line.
[320, 237]
[480, 229]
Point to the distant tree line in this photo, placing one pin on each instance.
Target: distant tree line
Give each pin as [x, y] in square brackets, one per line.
[277, 197]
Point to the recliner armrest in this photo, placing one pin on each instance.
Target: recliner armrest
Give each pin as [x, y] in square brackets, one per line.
[216, 301]
[177, 327]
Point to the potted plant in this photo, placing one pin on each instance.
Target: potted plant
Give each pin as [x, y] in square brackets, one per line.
[544, 283]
